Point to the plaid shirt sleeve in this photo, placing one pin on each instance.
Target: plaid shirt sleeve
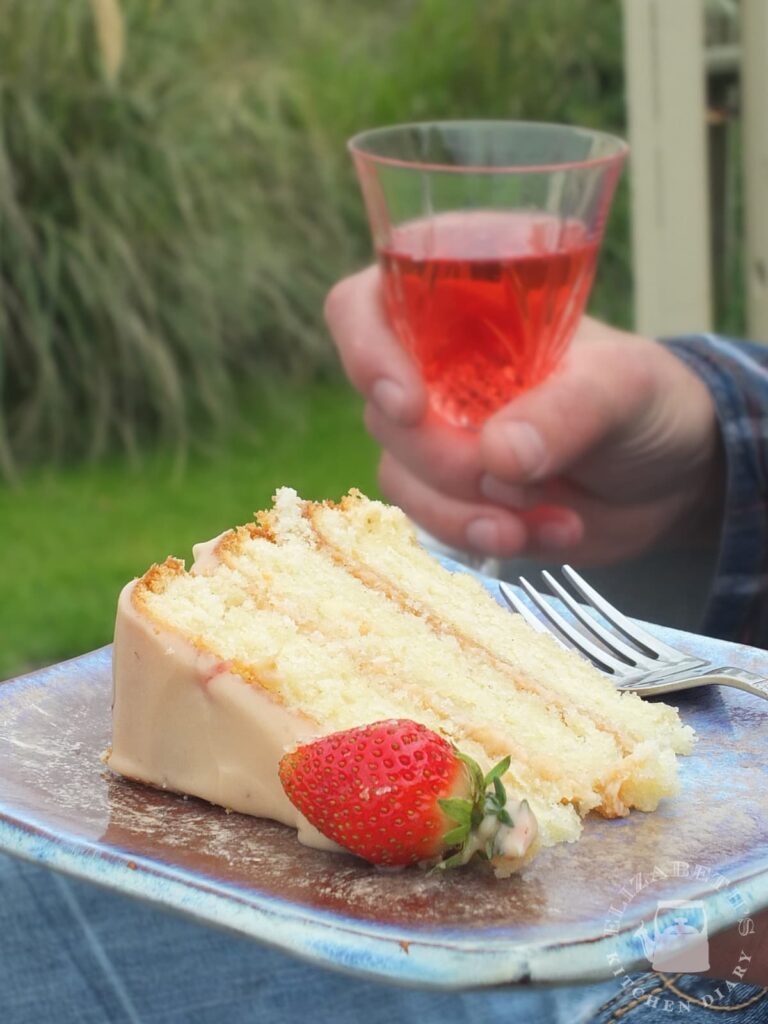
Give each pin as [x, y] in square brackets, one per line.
[736, 374]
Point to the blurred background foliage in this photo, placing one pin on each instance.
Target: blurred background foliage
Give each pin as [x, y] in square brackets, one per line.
[176, 197]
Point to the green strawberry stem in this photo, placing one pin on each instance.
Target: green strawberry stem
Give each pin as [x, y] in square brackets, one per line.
[483, 822]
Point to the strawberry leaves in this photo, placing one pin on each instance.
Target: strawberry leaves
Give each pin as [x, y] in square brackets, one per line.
[497, 771]
[488, 802]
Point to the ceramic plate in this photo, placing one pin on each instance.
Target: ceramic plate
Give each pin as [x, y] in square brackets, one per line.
[574, 915]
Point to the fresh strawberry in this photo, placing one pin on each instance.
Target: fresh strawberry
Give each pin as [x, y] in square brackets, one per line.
[396, 793]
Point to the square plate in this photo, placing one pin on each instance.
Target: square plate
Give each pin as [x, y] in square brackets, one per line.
[572, 916]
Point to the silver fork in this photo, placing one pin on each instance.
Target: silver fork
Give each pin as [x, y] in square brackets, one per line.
[645, 664]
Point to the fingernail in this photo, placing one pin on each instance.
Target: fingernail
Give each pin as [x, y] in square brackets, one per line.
[389, 396]
[502, 493]
[555, 535]
[528, 447]
[483, 535]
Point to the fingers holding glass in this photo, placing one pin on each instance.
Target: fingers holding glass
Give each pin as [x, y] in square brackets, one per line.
[373, 359]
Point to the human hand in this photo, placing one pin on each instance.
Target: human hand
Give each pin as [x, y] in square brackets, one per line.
[617, 450]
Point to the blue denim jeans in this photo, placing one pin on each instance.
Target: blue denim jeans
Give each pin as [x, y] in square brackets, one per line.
[74, 954]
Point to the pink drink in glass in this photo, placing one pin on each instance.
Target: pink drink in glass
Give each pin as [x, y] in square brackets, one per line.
[487, 233]
[486, 302]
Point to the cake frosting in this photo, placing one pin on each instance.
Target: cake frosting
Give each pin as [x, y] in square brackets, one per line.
[324, 616]
[183, 721]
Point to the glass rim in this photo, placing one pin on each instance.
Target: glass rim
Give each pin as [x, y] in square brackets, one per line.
[355, 144]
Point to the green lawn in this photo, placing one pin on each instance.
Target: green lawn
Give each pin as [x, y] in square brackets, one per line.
[73, 537]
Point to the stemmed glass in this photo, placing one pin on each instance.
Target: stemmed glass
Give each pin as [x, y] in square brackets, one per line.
[487, 233]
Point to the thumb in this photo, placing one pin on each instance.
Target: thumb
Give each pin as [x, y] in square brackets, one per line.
[600, 387]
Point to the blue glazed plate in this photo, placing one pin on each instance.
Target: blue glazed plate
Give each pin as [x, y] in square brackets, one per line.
[577, 914]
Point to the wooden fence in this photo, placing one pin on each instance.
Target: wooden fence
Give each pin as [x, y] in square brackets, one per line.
[677, 64]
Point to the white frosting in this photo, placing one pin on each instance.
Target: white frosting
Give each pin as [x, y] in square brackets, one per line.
[508, 847]
[512, 843]
[183, 722]
[205, 556]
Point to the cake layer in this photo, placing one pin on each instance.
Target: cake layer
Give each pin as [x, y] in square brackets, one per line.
[324, 617]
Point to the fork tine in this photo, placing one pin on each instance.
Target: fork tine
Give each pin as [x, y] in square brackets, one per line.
[577, 639]
[610, 640]
[629, 629]
[521, 608]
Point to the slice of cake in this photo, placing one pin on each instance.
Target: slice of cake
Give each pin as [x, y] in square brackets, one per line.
[321, 617]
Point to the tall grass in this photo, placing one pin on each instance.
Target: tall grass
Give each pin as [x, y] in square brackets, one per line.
[175, 196]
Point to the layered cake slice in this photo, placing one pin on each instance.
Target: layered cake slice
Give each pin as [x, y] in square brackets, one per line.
[321, 617]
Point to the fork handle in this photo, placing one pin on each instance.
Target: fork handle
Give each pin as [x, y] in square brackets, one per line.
[740, 678]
